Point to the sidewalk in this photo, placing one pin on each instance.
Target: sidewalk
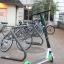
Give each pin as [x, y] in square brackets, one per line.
[35, 53]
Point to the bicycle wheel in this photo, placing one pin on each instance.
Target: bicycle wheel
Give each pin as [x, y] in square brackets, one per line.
[25, 41]
[50, 29]
[6, 43]
[5, 30]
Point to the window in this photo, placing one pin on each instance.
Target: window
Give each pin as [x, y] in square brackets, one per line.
[27, 14]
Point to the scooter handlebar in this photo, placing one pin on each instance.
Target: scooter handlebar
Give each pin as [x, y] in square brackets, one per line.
[42, 12]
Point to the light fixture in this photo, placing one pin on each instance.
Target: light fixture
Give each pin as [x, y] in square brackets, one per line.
[29, 7]
[2, 5]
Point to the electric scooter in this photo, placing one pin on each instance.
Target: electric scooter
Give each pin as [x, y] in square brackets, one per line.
[49, 54]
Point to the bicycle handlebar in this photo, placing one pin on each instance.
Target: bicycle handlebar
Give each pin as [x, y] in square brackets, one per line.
[42, 12]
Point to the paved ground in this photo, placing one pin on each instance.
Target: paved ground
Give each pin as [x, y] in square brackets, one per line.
[35, 53]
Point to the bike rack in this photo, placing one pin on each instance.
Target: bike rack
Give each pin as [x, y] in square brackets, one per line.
[15, 59]
[35, 43]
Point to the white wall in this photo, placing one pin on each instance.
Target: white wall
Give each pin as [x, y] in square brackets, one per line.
[20, 15]
[11, 15]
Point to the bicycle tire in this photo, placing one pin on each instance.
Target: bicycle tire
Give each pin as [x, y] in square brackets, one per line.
[24, 42]
[10, 47]
[50, 29]
[6, 41]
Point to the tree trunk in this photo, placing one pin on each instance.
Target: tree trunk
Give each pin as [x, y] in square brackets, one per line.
[49, 11]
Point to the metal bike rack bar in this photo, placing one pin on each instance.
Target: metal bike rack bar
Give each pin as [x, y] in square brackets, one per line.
[15, 59]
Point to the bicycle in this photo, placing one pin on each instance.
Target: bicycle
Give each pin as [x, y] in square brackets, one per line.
[9, 38]
[25, 34]
[36, 31]
[28, 33]
[50, 28]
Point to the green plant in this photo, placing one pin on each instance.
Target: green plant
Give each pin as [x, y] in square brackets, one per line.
[45, 5]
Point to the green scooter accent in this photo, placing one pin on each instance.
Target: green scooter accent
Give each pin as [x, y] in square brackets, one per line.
[50, 57]
[27, 62]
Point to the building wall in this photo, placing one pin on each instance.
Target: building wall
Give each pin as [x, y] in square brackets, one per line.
[20, 15]
[14, 15]
[8, 15]
[11, 15]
